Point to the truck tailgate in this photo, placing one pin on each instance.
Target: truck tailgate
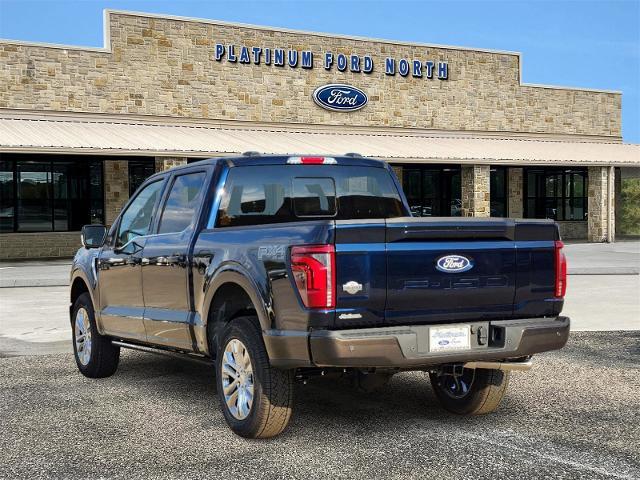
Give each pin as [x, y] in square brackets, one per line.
[441, 270]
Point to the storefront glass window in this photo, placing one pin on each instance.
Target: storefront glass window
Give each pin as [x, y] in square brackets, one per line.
[560, 194]
[432, 191]
[139, 171]
[7, 196]
[44, 193]
[498, 189]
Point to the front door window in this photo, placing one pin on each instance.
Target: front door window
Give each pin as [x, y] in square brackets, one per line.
[136, 220]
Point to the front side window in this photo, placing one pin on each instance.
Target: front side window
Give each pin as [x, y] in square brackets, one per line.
[183, 202]
[136, 220]
[556, 193]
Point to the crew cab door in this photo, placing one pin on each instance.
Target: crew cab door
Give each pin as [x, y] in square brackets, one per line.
[166, 261]
[119, 276]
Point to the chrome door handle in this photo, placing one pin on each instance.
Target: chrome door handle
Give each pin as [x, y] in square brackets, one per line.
[115, 261]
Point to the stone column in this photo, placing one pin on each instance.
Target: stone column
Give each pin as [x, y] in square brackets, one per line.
[398, 171]
[515, 188]
[116, 188]
[601, 217]
[475, 191]
[165, 163]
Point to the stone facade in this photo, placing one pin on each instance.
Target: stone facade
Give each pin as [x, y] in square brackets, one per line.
[515, 205]
[161, 66]
[475, 190]
[573, 230]
[600, 216]
[165, 163]
[38, 245]
[116, 188]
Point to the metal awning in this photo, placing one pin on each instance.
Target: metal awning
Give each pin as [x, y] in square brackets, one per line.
[91, 135]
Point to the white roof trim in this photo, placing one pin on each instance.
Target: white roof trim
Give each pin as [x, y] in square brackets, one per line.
[106, 48]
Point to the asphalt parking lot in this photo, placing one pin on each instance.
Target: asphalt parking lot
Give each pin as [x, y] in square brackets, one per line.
[575, 415]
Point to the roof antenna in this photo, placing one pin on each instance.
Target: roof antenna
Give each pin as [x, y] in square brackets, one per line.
[352, 154]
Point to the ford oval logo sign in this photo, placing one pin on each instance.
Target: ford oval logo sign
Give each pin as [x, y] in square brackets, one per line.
[454, 264]
[340, 98]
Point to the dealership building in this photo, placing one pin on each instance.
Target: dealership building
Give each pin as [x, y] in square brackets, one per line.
[81, 128]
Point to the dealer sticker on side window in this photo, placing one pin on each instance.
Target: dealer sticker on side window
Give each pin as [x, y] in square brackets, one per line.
[449, 338]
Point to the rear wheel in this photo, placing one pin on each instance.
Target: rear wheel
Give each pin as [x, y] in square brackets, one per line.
[256, 399]
[95, 355]
[471, 391]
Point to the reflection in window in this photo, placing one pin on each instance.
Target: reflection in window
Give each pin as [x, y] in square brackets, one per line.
[557, 193]
[183, 202]
[136, 220]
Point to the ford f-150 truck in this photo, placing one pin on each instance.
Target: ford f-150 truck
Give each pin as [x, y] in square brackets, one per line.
[278, 268]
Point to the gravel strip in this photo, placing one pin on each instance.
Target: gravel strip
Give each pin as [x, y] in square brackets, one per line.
[575, 415]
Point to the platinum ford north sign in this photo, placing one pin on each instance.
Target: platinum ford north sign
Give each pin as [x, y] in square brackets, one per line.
[340, 98]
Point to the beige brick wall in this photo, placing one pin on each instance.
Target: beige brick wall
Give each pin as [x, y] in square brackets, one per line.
[116, 188]
[167, 67]
[14, 246]
[515, 188]
[598, 220]
[165, 163]
[475, 190]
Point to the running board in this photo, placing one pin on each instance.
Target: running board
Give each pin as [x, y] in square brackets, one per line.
[507, 366]
[166, 352]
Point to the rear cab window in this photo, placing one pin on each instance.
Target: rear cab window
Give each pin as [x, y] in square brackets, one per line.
[256, 195]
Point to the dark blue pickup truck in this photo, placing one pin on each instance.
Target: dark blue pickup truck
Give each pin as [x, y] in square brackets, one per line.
[280, 268]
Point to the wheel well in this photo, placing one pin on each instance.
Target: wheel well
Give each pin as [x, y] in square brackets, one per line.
[78, 288]
[230, 301]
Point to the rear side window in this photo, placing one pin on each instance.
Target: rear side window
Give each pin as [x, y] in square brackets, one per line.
[183, 202]
[257, 195]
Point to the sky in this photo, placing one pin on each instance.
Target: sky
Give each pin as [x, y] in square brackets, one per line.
[578, 43]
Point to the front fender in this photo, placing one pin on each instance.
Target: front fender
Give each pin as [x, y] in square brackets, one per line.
[83, 268]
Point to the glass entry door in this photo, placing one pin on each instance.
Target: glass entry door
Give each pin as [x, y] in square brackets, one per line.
[432, 191]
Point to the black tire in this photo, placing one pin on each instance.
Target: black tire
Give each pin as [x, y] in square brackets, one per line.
[272, 404]
[104, 356]
[483, 396]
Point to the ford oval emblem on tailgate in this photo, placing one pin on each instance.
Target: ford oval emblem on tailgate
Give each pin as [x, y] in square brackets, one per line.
[454, 264]
[340, 98]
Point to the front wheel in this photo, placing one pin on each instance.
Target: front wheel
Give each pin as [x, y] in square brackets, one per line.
[95, 355]
[470, 392]
[255, 398]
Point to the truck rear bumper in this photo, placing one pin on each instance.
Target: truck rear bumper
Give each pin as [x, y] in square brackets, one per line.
[408, 346]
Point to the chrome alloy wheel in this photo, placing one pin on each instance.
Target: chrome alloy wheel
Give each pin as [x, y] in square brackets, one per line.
[457, 385]
[82, 336]
[237, 379]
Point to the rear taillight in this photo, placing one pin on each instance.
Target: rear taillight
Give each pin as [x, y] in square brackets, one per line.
[561, 270]
[311, 161]
[314, 272]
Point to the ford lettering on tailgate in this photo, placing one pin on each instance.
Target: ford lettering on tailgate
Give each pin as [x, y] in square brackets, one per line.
[454, 264]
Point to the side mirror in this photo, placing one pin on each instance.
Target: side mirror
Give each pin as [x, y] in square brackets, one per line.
[92, 236]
